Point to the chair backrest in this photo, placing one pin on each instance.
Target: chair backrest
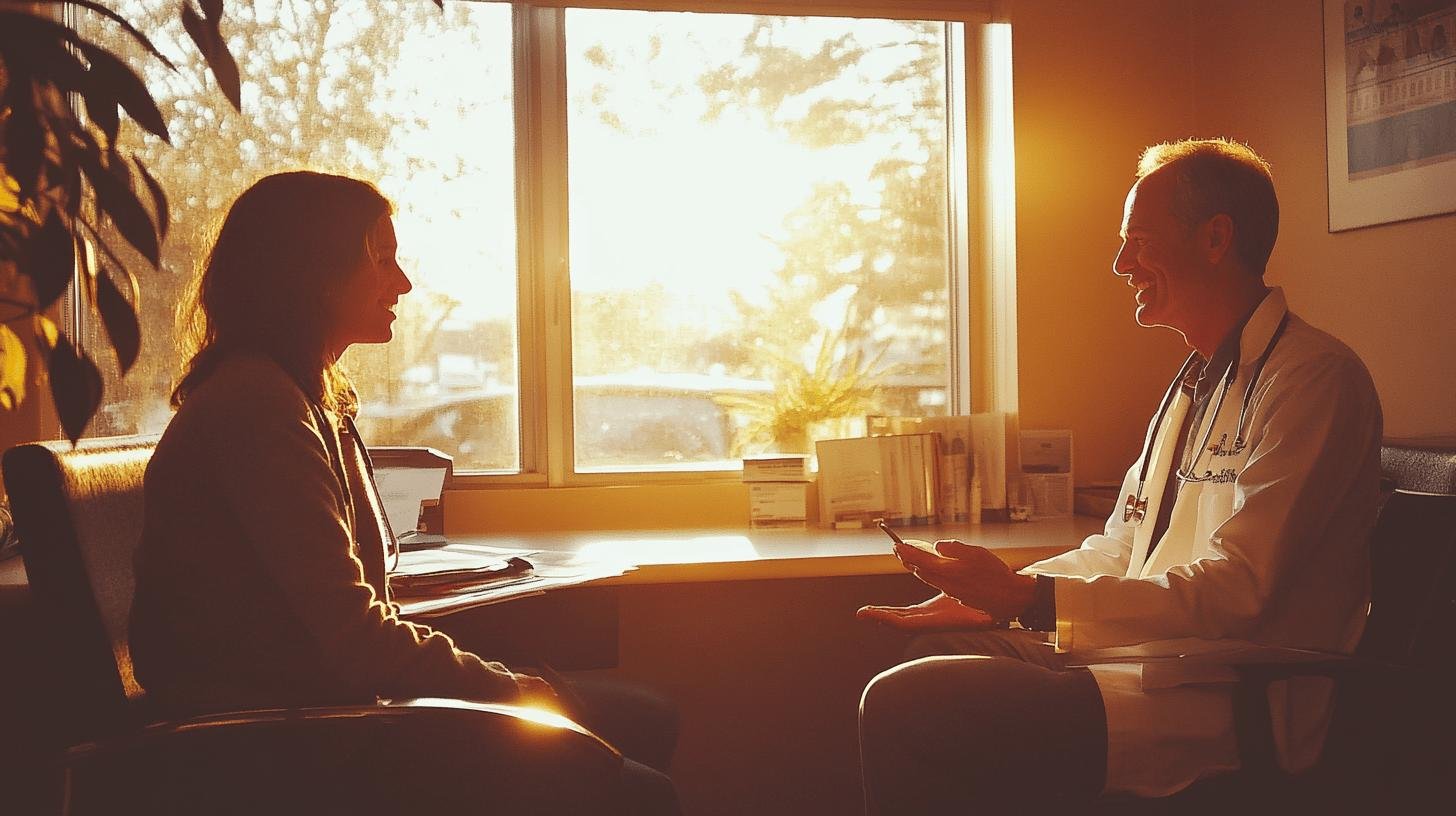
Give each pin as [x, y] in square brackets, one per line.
[1379, 756]
[1413, 560]
[78, 513]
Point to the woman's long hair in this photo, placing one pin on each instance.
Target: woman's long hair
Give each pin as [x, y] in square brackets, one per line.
[283, 253]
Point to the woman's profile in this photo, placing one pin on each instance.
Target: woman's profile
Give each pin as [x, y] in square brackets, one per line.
[260, 579]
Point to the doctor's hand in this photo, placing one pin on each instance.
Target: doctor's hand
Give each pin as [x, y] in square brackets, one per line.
[972, 575]
[939, 614]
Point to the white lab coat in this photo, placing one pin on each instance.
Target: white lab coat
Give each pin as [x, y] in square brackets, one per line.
[1273, 551]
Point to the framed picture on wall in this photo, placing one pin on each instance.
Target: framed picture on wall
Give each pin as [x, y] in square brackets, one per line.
[1390, 109]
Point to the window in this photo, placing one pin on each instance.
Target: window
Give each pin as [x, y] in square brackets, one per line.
[641, 241]
[419, 102]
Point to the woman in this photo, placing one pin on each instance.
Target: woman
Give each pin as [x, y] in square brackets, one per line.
[260, 576]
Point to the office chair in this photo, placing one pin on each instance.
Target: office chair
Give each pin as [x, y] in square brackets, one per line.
[78, 513]
[1389, 748]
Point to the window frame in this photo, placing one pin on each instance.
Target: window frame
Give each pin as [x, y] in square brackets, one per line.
[981, 280]
[544, 342]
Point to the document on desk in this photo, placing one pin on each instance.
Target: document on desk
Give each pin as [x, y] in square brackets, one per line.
[548, 570]
[402, 489]
[430, 572]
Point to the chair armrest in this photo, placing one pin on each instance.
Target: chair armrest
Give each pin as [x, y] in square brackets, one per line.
[1253, 722]
[401, 714]
[418, 755]
[1264, 673]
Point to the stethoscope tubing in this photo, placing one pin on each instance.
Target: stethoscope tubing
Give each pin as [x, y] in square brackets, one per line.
[1132, 513]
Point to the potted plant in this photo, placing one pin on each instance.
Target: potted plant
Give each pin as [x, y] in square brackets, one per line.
[63, 171]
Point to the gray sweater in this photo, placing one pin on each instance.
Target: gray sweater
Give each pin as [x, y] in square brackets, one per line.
[260, 577]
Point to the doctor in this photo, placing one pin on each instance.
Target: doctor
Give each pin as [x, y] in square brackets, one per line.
[1243, 524]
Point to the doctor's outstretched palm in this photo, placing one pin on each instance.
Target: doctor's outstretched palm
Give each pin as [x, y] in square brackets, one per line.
[939, 614]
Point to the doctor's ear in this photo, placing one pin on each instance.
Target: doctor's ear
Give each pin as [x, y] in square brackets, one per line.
[1218, 237]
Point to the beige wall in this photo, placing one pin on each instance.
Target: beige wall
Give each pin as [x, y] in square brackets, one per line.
[1094, 83]
[1390, 290]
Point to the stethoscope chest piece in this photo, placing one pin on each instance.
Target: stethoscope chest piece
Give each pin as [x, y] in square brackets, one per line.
[1135, 511]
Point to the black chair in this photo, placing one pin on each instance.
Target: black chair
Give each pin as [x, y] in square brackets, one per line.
[1389, 746]
[78, 514]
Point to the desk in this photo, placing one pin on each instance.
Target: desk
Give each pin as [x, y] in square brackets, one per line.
[766, 672]
[676, 556]
[705, 555]
[753, 635]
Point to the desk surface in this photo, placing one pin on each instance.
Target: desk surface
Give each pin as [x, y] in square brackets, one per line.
[676, 556]
[682, 556]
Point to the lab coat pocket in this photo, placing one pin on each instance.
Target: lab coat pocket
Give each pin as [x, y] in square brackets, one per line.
[1215, 506]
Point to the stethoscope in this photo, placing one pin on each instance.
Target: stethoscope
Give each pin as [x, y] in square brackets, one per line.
[1136, 508]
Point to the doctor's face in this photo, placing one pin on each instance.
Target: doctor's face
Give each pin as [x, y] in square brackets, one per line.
[364, 309]
[1158, 256]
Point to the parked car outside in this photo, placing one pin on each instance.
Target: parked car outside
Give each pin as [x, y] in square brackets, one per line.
[632, 421]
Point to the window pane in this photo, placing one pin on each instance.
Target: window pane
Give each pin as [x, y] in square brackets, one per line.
[415, 100]
[759, 242]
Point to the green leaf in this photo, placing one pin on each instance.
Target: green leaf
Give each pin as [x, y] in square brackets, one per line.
[75, 387]
[24, 138]
[119, 168]
[116, 78]
[50, 260]
[115, 198]
[105, 113]
[159, 197]
[119, 316]
[39, 48]
[206, 34]
[86, 262]
[78, 146]
[120, 21]
[12, 369]
[46, 332]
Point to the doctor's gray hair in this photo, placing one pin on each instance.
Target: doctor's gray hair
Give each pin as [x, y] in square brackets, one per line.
[1221, 176]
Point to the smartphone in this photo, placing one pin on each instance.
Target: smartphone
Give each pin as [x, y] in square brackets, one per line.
[924, 546]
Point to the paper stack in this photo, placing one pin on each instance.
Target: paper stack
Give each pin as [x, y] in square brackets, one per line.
[778, 486]
[1046, 471]
[438, 571]
[973, 461]
[896, 477]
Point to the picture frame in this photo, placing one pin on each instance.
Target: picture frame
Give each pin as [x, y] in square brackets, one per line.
[1390, 110]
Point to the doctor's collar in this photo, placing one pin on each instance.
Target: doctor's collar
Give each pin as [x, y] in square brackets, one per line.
[1225, 358]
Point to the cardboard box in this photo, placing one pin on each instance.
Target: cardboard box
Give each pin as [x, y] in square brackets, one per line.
[778, 504]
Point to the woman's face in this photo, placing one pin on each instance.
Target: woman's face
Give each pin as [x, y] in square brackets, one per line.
[364, 310]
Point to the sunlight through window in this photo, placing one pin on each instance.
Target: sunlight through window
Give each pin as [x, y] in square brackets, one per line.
[758, 220]
[759, 237]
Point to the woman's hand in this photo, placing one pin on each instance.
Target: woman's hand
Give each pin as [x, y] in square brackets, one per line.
[939, 614]
[537, 693]
[972, 575]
